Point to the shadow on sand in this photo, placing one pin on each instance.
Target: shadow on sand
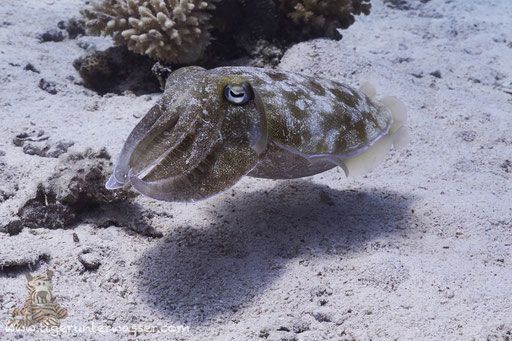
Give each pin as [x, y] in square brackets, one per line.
[196, 274]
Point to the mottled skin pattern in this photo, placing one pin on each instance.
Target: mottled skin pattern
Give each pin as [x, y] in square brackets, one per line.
[195, 143]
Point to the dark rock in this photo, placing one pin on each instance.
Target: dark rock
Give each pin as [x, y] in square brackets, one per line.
[49, 87]
[31, 149]
[88, 46]
[116, 70]
[436, 74]
[321, 317]
[90, 259]
[264, 333]
[44, 211]
[161, 72]
[506, 166]
[52, 34]
[75, 238]
[75, 27]
[50, 149]
[7, 194]
[2, 153]
[401, 60]
[53, 216]
[402, 5]
[14, 227]
[30, 67]
[32, 136]
[405, 5]
[266, 54]
[102, 154]
[240, 24]
[61, 24]
[59, 148]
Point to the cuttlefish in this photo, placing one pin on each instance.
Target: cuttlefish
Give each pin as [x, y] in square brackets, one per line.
[212, 127]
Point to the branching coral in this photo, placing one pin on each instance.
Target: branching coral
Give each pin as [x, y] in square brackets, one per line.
[180, 31]
[175, 31]
[322, 17]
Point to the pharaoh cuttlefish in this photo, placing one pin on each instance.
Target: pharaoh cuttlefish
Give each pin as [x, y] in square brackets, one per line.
[212, 127]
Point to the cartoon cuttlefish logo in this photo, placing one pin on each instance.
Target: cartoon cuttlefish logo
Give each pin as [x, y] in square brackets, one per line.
[40, 306]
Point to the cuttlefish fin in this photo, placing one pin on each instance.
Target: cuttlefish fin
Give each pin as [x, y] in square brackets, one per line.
[398, 111]
[397, 137]
[368, 158]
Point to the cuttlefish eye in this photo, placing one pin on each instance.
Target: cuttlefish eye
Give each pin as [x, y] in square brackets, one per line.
[239, 94]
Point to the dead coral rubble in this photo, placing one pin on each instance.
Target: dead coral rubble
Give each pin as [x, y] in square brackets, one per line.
[52, 34]
[78, 186]
[32, 143]
[49, 87]
[76, 193]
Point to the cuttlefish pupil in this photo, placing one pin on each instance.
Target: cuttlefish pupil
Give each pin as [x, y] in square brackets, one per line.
[213, 127]
[239, 94]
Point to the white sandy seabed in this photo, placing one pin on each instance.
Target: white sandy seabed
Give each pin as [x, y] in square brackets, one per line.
[419, 249]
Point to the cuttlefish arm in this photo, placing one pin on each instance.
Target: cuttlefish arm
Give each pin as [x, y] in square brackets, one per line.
[194, 143]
